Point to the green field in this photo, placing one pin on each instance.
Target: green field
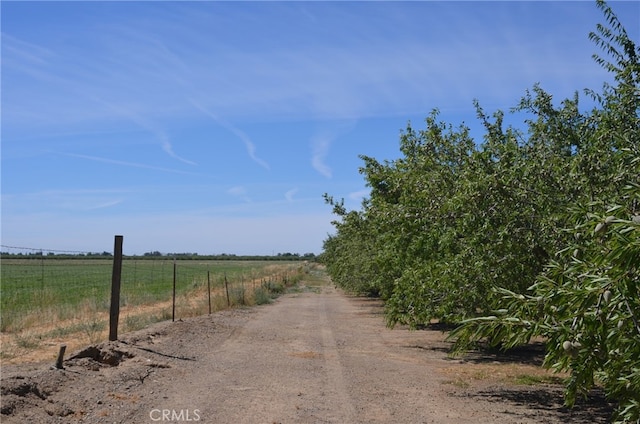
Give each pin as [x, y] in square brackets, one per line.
[43, 288]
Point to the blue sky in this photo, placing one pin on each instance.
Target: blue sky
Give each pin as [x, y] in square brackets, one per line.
[215, 127]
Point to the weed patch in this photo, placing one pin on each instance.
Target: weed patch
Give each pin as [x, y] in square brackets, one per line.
[261, 296]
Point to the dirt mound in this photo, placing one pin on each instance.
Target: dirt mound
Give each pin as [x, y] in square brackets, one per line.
[46, 393]
[23, 392]
[110, 353]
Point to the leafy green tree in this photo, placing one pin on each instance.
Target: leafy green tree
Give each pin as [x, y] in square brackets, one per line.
[525, 234]
[456, 230]
[348, 254]
[587, 302]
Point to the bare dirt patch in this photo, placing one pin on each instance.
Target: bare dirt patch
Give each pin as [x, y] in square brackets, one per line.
[313, 356]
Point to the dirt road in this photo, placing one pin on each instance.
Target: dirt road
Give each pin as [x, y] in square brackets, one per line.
[315, 356]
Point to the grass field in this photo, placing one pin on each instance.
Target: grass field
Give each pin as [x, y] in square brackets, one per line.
[47, 298]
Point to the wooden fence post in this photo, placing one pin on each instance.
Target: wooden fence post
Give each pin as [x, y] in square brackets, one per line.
[209, 289]
[60, 360]
[173, 312]
[114, 313]
[226, 287]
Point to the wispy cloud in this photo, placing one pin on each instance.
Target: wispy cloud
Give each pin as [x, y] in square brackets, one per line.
[365, 71]
[319, 150]
[62, 200]
[105, 204]
[249, 145]
[130, 164]
[289, 194]
[251, 149]
[321, 143]
[239, 192]
[168, 148]
[24, 52]
[150, 126]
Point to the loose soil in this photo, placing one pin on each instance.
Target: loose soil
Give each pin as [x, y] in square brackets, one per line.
[315, 355]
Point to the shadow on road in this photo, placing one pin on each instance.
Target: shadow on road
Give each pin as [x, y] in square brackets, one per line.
[594, 409]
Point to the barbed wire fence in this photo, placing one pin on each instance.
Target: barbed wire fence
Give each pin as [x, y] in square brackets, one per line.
[51, 293]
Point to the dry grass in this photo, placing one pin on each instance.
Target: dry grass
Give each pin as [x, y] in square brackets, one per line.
[463, 374]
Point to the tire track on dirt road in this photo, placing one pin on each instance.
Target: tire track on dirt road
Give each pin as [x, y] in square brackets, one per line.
[311, 357]
[282, 365]
[335, 371]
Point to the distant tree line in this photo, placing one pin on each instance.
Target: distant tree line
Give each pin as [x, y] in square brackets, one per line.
[57, 255]
[158, 255]
[231, 257]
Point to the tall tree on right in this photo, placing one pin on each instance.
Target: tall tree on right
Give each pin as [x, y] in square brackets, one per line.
[586, 303]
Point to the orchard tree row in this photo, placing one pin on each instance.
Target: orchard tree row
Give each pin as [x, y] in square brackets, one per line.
[533, 231]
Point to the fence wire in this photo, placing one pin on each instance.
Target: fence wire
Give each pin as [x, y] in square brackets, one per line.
[54, 292]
